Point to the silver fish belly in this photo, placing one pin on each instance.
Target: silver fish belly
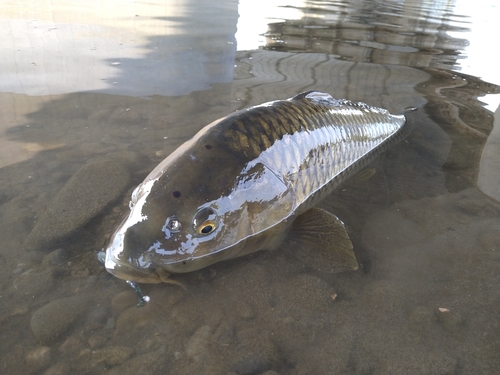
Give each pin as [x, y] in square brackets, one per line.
[239, 184]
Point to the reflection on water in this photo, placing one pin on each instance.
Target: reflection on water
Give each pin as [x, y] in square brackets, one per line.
[424, 225]
[408, 34]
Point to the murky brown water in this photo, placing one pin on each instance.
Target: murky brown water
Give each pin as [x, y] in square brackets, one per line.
[117, 87]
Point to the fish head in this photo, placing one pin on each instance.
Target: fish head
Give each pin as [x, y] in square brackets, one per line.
[184, 239]
[198, 207]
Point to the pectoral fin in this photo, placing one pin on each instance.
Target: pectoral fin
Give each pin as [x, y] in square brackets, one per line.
[320, 240]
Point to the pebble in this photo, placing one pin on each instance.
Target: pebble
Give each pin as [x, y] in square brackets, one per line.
[224, 335]
[20, 310]
[110, 323]
[149, 343]
[198, 343]
[86, 194]
[161, 298]
[99, 316]
[96, 341]
[98, 361]
[34, 283]
[112, 355]
[245, 310]
[49, 322]
[38, 358]
[124, 300]
[134, 318]
[476, 207]
[55, 258]
[70, 346]
[80, 273]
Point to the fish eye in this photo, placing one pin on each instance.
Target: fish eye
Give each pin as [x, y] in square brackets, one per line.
[173, 225]
[205, 221]
[206, 228]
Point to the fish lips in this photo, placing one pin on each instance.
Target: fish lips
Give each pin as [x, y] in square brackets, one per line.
[125, 271]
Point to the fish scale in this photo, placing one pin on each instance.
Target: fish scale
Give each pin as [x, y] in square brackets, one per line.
[337, 135]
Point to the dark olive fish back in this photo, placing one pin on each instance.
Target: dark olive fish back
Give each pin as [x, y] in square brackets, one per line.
[327, 139]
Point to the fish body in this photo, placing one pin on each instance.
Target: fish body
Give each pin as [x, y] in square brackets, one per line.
[240, 183]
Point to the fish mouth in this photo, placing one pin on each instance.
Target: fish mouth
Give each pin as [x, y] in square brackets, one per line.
[129, 273]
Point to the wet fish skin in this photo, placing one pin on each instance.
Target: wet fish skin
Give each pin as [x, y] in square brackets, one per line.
[247, 176]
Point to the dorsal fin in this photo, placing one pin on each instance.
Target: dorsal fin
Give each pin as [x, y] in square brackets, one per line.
[316, 96]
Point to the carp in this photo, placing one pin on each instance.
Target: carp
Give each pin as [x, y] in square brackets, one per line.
[249, 182]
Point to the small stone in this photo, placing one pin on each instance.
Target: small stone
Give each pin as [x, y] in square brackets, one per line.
[96, 341]
[112, 355]
[92, 326]
[85, 195]
[35, 282]
[38, 358]
[178, 356]
[49, 322]
[165, 297]
[197, 346]
[99, 316]
[477, 207]
[55, 258]
[85, 354]
[245, 310]
[224, 335]
[149, 344]
[246, 334]
[21, 310]
[207, 274]
[124, 300]
[70, 346]
[80, 273]
[134, 318]
[110, 323]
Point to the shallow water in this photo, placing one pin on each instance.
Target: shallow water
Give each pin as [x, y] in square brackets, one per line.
[117, 87]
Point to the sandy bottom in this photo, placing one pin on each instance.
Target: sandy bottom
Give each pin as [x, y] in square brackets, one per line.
[424, 300]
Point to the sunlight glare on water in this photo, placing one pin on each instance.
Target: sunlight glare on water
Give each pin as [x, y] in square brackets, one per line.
[254, 17]
[481, 55]
[471, 21]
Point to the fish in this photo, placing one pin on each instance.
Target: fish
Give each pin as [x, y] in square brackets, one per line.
[249, 182]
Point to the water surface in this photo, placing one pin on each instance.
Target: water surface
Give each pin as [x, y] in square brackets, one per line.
[117, 87]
